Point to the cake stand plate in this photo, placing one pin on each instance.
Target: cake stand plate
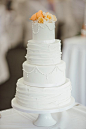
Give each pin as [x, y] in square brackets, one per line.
[44, 118]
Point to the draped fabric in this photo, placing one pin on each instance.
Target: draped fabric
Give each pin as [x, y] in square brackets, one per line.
[74, 54]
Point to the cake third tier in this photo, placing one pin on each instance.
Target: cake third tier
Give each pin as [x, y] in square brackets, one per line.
[44, 76]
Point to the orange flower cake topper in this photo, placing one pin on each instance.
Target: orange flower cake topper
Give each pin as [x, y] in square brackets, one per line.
[39, 14]
[42, 17]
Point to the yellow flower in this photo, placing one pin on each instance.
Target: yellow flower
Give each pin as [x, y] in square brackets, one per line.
[54, 17]
[49, 17]
[40, 20]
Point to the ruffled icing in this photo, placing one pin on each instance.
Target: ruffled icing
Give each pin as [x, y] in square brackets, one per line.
[43, 98]
[43, 53]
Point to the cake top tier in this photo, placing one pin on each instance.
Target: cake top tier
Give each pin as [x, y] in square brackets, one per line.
[43, 27]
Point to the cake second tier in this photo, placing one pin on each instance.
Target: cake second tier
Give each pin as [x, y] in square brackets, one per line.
[44, 76]
[39, 53]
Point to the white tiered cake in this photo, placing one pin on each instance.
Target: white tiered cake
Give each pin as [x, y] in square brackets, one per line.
[44, 84]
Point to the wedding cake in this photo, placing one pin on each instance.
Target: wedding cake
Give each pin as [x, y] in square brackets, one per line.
[44, 84]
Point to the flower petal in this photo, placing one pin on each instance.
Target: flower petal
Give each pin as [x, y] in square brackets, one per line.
[40, 20]
[39, 14]
[34, 17]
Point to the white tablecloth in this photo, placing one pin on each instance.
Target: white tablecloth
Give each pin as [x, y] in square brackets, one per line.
[74, 118]
[74, 54]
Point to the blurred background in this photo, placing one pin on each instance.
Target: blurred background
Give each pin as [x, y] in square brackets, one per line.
[15, 31]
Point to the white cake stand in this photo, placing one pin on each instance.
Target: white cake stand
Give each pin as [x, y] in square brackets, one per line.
[44, 118]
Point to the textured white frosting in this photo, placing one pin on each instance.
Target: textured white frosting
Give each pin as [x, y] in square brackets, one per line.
[44, 84]
[43, 98]
[44, 76]
[43, 32]
[43, 53]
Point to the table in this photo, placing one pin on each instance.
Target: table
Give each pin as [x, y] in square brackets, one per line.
[71, 119]
[74, 54]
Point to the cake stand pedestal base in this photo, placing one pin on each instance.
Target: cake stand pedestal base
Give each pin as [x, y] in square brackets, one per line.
[45, 120]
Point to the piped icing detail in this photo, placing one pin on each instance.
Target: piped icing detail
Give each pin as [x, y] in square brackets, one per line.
[43, 26]
[46, 75]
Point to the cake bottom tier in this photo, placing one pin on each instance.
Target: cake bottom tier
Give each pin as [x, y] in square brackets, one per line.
[43, 98]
